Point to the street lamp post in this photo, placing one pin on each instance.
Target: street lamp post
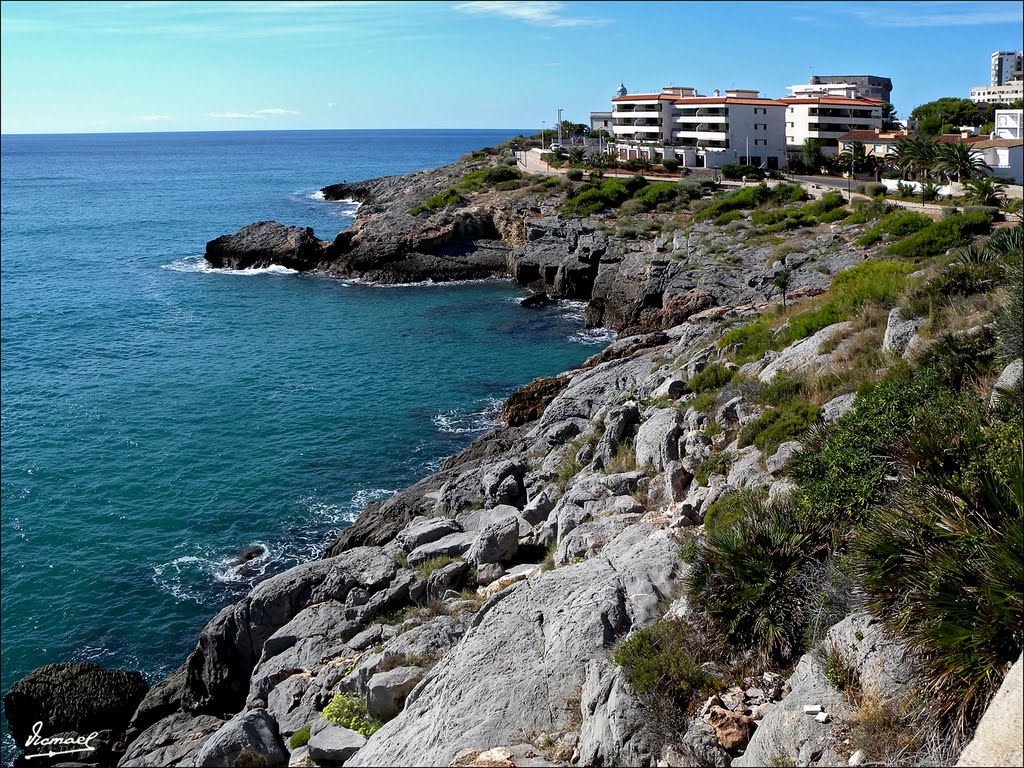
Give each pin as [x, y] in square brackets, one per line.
[543, 134]
[559, 127]
[849, 181]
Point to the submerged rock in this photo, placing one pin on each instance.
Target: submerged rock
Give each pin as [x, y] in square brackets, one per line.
[264, 244]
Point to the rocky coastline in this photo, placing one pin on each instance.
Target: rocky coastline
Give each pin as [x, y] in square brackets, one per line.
[471, 618]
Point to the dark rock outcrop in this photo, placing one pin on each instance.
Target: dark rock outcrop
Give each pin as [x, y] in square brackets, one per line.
[265, 243]
[528, 403]
[75, 700]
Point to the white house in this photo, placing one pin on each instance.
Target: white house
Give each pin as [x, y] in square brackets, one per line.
[1008, 124]
[737, 127]
[1005, 157]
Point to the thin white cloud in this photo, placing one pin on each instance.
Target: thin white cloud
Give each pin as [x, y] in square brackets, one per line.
[902, 15]
[540, 12]
[331, 104]
[151, 118]
[259, 114]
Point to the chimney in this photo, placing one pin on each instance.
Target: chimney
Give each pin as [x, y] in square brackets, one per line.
[877, 130]
[717, 92]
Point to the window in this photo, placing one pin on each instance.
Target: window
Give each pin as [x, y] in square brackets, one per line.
[760, 126]
[760, 142]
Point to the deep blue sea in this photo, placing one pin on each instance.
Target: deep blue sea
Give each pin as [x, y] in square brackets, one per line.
[159, 417]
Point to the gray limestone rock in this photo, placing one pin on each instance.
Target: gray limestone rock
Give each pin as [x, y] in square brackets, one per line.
[615, 728]
[523, 658]
[1000, 736]
[171, 740]
[386, 691]
[804, 355]
[589, 539]
[248, 739]
[332, 744]
[781, 458]
[745, 470]
[657, 439]
[837, 407]
[453, 545]
[1009, 379]
[496, 543]
[899, 332]
[426, 531]
[488, 572]
[446, 578]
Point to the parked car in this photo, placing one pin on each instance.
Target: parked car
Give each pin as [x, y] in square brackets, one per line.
[556, 147]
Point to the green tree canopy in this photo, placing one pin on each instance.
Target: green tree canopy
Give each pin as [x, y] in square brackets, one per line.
[947, 110]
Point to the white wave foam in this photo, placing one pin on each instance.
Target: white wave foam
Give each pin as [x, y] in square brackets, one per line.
[201, 265]
[575, 312]
[318, 195]
[425, 283]
[460, 422]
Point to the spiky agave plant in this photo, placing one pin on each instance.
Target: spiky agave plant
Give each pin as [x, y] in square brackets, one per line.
[943, 561]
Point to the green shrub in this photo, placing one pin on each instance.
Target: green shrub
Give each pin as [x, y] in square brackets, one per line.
[659, 193]
[441, 200]
[715, 464]
[734, 171]
[349, 711]
[741, 199]
[782, 390]
[1009, 324]
[874, 189]
[704, 401]
[746, 576]
[729, 509]
[777, 425]
[899, 223]
[609, 193]
[713, 376]
[574, 174]
[942, 565]
[753, 338]
[670, 164]
[830, 201]
[837, 214]
[661, 663]
[300, 738]
[782, 194]
[940, 236]
[868, 210]
[929, 191]
[728, 217]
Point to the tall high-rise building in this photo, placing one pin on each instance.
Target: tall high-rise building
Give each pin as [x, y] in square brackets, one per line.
[1006, 67]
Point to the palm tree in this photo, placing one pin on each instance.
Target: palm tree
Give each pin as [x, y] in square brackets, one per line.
[855, 157]
[902, 157]
[812, 153]
[956, 159]
[921, 155]
[984, 191]
[577, 155]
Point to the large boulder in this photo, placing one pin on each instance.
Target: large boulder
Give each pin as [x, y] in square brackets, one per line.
[217, 672]
[249, 739]
[518, 666]
[496, 543]
[332, 744]
[172, 740]
[899, 331]
[75, 700]
[426, 531]
[657, 439]
[615, 728]
[386, 691]
[267, 243]
[1000, 734]
[805, 355]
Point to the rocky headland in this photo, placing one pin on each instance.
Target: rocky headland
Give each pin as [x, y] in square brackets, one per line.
[553, 595]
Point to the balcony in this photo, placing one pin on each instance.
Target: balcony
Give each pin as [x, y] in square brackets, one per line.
[630, 130]
[635, 113]
[697, 115]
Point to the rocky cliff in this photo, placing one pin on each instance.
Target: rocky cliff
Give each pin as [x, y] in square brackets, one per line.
[507, 610]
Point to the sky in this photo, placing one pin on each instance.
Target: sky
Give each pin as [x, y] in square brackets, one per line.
[314, 64]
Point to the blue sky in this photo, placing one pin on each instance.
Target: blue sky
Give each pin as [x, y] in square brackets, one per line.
[164, 66]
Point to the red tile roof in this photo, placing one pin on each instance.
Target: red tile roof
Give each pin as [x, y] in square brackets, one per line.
[833, 100]
[956, 138]
[729, 100]
[646, 97]
[872, 136]
[989, 143]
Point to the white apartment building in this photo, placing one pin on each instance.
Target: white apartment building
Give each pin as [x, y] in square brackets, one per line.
[828, 117]
[1008, 124]
[998, 94]
[1005, 81]
[738, 127]
[1006, 67]
[640, 119]
[1004, 157]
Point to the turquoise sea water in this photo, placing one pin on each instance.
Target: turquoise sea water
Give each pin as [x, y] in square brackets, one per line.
[159, 417]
